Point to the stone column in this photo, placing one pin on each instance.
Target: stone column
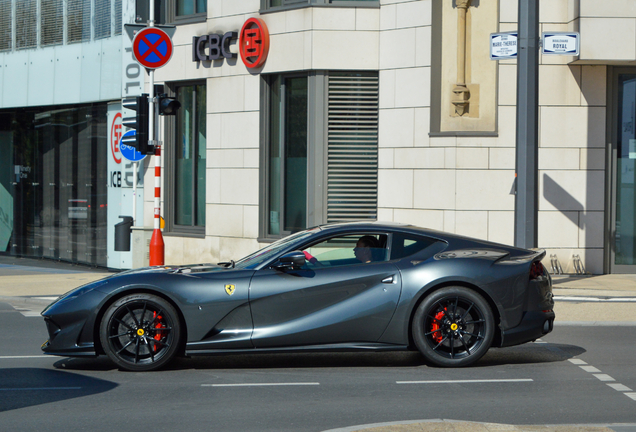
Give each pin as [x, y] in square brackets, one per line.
[461, 93]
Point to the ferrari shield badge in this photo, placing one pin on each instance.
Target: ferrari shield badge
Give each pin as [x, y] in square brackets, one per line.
[229, 289]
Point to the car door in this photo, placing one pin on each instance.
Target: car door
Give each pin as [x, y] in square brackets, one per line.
[340, 300]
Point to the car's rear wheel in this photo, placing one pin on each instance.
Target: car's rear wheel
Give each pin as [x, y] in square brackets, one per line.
[453, 327]
[140, 332]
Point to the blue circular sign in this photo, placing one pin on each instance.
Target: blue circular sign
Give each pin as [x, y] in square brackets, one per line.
[129, 152]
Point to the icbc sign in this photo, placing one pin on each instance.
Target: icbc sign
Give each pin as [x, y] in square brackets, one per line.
[253, 44]
[115, 137]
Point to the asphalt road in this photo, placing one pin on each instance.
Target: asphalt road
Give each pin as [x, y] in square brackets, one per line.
[576, 375]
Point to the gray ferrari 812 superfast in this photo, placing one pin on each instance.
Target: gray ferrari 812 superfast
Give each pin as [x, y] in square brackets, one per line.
[340, 287]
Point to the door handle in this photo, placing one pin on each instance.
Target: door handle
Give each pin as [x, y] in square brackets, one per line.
[388, 280]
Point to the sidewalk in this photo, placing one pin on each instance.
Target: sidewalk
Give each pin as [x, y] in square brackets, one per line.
[439, 425]
[23, 280]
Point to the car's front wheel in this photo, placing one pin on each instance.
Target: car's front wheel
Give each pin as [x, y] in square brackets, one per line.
[140, 332]
[453, 327]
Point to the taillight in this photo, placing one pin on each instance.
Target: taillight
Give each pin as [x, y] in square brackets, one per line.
[536, 270]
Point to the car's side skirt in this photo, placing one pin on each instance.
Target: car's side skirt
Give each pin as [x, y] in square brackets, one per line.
[348, 347]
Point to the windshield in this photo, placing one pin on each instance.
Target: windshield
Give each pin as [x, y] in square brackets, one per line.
[257, 258]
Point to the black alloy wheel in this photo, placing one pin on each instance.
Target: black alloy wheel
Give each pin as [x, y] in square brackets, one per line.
[453, 327]
[140, 332]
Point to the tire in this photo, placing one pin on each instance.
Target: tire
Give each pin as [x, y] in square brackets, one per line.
[140, 332]
[453, 327]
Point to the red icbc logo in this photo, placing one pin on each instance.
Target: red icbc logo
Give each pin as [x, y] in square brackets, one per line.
[254, 43]
[115, 136]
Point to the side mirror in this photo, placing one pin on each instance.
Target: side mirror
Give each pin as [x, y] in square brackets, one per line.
[291, 260]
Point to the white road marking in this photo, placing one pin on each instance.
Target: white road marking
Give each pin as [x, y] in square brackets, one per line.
[620, 387]
[42, 356]
[40, 388]
[30, 313]
[604, 377]
[261, 384]
[466, 381]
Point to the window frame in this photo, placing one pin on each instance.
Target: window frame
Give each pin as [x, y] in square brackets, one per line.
[170, 159]
[319, 182]
[173, 18]
[316, 150]
[298, 4]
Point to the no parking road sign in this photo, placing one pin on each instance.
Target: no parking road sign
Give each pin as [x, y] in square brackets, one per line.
[152, 47]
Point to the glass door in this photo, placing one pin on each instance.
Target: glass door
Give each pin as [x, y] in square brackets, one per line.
[623, 240]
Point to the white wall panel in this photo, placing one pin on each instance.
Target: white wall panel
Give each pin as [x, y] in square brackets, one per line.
[110, 82]
[63, 74]
[91, 71]
[67, 74]
[15, 85]
[41, 77]
[1, 78]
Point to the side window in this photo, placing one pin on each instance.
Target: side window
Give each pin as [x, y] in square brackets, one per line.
[347, 250]
[405, 245]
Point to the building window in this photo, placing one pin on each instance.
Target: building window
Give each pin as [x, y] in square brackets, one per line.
[191, 7]
[287, 159]
[182, 11]
[187, 162]
[289, 4]
[319, 150]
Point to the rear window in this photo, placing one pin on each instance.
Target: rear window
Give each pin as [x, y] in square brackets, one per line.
[405, 245]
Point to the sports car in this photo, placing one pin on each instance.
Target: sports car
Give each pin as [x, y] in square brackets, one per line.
[340, 287]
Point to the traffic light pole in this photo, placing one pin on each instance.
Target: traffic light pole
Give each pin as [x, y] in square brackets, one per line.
[157, 247]
[526, 198]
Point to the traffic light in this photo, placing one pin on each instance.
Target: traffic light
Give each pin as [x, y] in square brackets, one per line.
[139, 123]
[167, 105]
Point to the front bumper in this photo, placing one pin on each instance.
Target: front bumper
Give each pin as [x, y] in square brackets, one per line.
[71, 325]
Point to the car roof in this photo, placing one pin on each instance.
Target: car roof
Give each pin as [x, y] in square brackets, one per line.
[380, 225]
[397, 226]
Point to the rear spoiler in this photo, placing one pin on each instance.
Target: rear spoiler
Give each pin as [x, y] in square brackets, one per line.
[534, 255]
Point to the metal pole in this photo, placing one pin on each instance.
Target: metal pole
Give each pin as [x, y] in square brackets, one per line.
[157, 247]
[526, 198]
[135, 168]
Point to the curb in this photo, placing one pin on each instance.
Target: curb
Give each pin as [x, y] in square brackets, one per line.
[434, 424]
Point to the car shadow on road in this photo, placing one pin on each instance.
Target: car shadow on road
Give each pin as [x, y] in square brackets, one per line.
[531, 353]
[26, 387]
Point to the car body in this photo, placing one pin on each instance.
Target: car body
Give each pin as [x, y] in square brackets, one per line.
[448, 296]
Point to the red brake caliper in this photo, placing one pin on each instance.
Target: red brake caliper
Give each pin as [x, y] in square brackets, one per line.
[159, 325]
[437, 335]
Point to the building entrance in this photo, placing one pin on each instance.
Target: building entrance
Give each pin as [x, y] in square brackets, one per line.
[623, 220]
[53, 201]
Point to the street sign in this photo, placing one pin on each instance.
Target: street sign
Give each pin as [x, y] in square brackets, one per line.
[503, 46]
[128, 151]
[152, 47]
[560, 43]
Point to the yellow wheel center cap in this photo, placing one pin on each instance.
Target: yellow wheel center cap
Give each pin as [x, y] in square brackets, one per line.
[454, 326]
[140, 332]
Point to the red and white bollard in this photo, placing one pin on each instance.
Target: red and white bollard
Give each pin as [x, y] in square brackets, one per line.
[157, 248]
